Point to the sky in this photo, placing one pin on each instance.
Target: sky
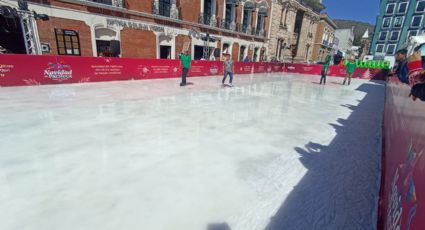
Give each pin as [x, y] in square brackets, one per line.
[359, 10]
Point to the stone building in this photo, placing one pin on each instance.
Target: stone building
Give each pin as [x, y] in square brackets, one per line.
[325, 38]
[346, 39]
[293, 28]
[149, 28]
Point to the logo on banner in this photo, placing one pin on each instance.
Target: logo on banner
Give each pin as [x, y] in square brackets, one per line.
[269, 69]
[58, 71]
[291, 67]
[402, 201]
[214, 69]
[307, 69]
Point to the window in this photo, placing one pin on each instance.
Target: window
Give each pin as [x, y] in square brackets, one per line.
[246, 21]
[416, 21]
[107, 2]
[420, 7]
[412, 33]
[386, 23]
[390, 8]
[379, 48]
[110, 2]
[390, 49]
[207, 12]
[228, 18]
[165, 52]
[398, 22]
[242, 53]
[383, 36]
[394, 35]
[402, 8]
[164, 7]
[260, 24]
[68, 42]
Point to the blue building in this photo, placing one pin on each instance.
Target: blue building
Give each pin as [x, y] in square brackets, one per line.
[397, 21]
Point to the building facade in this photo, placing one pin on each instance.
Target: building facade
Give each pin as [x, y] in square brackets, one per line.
[324, 43]
[153, 28]
[397, 21]
[346, 39]
[293, 28]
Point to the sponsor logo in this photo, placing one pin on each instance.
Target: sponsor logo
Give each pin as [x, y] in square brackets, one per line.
[291, 67]
[214, 70]
[58, 71]
[403, 202]
[307, 69]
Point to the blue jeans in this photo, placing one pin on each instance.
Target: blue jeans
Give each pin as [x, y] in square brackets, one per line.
[230, 75]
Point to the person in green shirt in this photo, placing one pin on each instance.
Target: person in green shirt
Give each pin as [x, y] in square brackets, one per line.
[186, 60]
[325, 69]
[351, 67]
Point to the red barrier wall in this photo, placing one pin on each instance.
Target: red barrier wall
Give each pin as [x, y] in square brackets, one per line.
[17, 70]
[402, 204]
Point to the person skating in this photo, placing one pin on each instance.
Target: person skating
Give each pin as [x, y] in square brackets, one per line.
[228, 69]
[325, 69]
[351, 66]
[186, 60]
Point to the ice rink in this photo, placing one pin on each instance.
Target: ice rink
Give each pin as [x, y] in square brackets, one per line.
[275, 152]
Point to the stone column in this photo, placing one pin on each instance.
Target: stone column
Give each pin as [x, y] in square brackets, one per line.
[233, 18]
[174, 11]
[213, 20]
[155, 7]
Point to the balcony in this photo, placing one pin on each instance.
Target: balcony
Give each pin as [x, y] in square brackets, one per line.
[315, 5]
[206, 19]
[228, 25]
[260, 32]
[116, 3]
[295, 38]
[165, 9]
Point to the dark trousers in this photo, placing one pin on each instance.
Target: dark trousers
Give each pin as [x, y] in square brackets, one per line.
[323, 78]
[225, 75]
[184, 74]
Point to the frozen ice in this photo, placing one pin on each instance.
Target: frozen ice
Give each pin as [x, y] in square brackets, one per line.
[277, 151]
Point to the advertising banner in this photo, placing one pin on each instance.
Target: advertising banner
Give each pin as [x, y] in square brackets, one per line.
[18, 70]
[402, 203]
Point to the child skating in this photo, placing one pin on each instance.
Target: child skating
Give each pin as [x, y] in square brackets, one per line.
[325, 69]
[351, 67]
[228, 69]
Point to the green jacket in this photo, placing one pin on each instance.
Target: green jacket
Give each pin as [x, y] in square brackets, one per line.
[325, 67]
[351, 67]
[185, 60]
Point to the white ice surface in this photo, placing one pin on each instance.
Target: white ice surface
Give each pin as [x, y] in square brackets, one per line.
[275, 152]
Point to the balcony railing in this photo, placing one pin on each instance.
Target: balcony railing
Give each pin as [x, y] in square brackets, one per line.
[224, 24]
[165, 10]
[116, 3]
[204, 19]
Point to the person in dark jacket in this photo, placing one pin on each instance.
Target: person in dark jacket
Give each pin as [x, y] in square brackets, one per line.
[401, 70]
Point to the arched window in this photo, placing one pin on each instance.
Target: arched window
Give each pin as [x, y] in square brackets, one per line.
[263, 10]
[249, 7]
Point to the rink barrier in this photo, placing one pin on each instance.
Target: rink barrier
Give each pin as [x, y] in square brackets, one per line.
[19, 70]
[402, 198]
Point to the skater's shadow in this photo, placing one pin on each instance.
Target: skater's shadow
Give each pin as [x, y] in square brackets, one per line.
[220, 226]
[340, 189]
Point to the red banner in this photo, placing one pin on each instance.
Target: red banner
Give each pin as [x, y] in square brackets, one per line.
[16, 70]
[335, 71]
[205, 68]
[402, 204]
